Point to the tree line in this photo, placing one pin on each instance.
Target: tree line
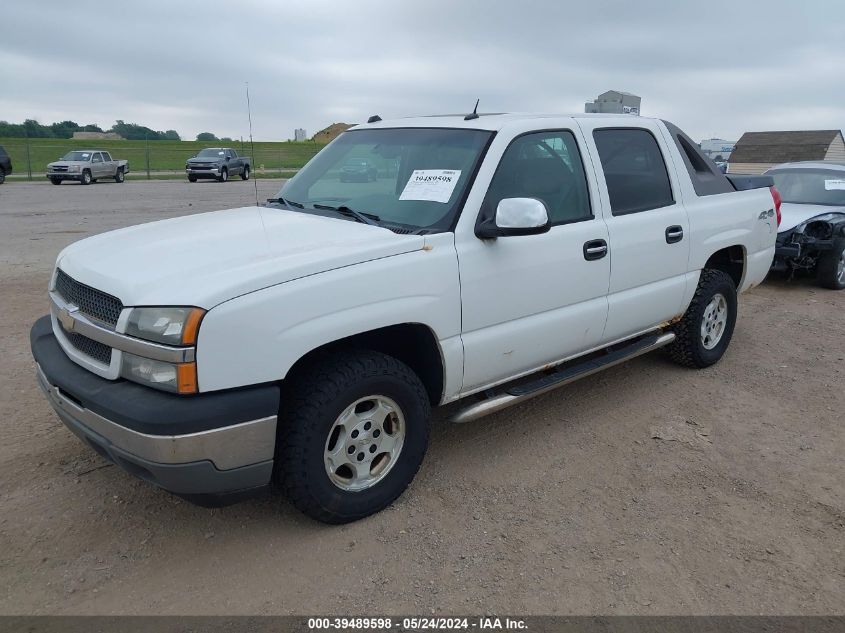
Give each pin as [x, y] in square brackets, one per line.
[65, 129]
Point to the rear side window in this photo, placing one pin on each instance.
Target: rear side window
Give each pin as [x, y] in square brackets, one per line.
[106, 156]
[634, 170]
[97, 158]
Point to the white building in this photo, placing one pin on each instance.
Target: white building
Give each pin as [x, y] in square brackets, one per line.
[300, 134]
[715, 147]
[614, 102]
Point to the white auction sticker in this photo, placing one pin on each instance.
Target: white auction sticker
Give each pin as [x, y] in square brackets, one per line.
[830, 185]
[436, 185]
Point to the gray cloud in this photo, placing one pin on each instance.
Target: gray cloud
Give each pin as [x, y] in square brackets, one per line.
[715, 68]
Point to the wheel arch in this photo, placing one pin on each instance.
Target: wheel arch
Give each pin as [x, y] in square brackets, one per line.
[415, 344]
[732, 261]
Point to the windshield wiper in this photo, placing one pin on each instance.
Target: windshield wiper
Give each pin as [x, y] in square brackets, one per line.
[289, 203]
[365, 218]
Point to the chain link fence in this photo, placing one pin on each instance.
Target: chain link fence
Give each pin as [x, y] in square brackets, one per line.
[154, 159]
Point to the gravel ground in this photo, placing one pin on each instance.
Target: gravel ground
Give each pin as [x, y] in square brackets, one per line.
[646, 489]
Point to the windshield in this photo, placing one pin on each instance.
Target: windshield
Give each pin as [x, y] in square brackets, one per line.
[211, 153]
[83, 156]
[414, 177]
[811, 186]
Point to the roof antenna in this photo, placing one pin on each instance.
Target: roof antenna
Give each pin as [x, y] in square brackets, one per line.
[474, 114]
[251, 143]
[374, 119]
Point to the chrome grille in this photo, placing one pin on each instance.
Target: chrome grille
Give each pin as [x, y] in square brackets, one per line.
[94, 349]
[90, 301]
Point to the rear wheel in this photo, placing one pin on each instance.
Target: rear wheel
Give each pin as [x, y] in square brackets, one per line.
[245, 173]
[86, 178]
[831, 267]
[119, 176]
[353, 431]
[224, 175]
[705, 331]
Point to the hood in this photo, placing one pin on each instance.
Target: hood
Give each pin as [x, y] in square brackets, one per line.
[209, 159]
[205, 259]
[793, 214]
[67, 163]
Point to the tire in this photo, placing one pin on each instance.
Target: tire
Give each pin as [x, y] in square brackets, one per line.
[86, 178]
[120, 176]
[314, 402]
[702, 335]
[192, 178]
[830, 270]
[2, 175]
[245, 173]
[224, 175]
[56, 181]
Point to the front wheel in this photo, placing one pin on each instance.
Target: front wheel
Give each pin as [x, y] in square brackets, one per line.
[831, 267]
[224, 175]
[705, 331]
[2, 175]
[86, 178]
[56, 181]
[353, 431]
[119, 176]
[245, 173]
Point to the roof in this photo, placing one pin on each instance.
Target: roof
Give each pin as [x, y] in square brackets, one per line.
[783, 147]
[812, 164]
[491, 121]
[620, 92]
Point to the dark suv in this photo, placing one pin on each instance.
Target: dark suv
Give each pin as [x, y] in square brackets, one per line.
[5, 165]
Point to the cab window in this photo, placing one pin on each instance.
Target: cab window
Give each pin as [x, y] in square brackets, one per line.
[634, 170]
[97, 158]
[546, 166]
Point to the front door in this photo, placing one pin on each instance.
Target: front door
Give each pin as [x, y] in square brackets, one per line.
[532, 300]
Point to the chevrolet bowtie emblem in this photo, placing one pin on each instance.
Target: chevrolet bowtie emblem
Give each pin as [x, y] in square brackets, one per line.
[65, 317]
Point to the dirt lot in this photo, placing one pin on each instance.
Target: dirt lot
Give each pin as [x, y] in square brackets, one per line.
[645, 489]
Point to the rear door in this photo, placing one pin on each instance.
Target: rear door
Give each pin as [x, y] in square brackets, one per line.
[108, 164]
[535, 299]
[97, 170]
[648, 225]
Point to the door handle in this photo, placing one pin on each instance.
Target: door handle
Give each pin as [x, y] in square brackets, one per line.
[674, 234]
[595, 249]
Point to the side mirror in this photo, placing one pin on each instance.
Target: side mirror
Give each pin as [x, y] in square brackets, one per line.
[516, 216]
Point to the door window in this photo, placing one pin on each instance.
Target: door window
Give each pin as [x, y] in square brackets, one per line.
[106, 157]
[636, 175]
[546, 166]
[97, 158]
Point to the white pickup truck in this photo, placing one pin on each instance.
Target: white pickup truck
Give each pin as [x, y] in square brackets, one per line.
[303, 343]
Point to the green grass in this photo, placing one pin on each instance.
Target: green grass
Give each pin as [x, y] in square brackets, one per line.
[163, 155]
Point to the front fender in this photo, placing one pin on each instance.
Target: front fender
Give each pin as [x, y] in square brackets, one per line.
[258, 337]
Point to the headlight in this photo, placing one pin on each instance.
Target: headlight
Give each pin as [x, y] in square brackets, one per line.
[181, 378]
[171, 326]
[73, 168]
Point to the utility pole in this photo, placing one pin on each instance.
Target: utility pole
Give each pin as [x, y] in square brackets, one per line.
[147, 152]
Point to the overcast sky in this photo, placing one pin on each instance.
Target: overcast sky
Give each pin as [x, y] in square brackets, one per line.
[714, 68]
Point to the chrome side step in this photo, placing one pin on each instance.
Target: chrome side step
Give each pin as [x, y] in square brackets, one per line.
[566, 374]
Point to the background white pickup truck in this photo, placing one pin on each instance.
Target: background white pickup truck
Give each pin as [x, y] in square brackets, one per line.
[490, 259]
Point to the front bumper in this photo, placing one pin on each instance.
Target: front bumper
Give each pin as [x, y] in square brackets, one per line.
[203, 173]
[791, 247]
[210, 448]
[64, 175]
